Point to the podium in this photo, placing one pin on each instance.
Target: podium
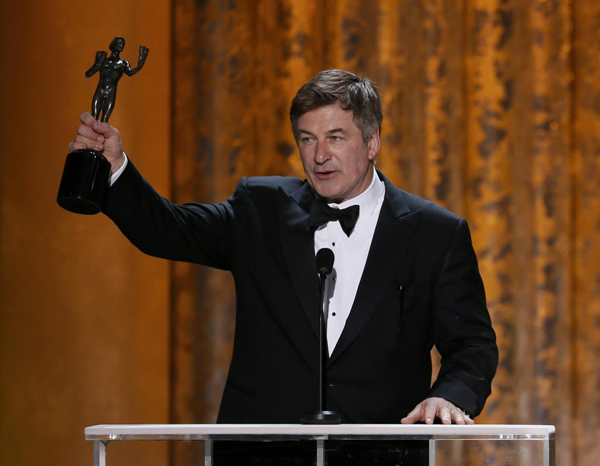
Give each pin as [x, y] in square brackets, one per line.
[446, 445]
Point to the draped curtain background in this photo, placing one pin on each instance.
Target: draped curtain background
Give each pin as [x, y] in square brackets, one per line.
[491, 109]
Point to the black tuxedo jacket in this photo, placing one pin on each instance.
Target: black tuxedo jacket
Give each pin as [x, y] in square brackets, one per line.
[420, 287]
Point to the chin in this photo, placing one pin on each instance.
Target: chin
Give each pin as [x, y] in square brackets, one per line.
[327, 190]
[325, 194]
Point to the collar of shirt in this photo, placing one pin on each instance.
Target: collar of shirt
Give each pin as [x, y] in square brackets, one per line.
[368, 201]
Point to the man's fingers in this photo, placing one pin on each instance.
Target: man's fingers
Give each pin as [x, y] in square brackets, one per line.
[468, 420]
[87, 138]
[78, 145]
[432, 408]
[414, 416]
[430, 412]
[87, 119]
[88, 143]
[88, 133]
[99, 136]
[98, 127]
[107, 131]
[458, 417]
[445, 415]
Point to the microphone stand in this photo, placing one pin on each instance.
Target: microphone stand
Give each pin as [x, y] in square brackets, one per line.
[322, 416]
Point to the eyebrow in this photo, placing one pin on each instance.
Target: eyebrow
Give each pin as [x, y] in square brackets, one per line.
[305, 132]
[331, 131]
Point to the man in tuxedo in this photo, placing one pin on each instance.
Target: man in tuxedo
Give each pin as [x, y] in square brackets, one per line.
[405, 275]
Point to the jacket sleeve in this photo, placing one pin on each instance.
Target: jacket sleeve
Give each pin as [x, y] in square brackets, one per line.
[201, 233]
[462, 328]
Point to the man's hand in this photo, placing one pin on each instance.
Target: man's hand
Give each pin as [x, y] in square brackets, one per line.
[102, 137]
[432, 408]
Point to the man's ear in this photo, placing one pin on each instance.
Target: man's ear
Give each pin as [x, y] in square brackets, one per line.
[373, 145]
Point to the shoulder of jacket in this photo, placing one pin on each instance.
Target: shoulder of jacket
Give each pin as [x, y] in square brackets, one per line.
[430, 210]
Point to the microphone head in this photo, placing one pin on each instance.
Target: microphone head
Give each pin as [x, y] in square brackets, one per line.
[325, 260]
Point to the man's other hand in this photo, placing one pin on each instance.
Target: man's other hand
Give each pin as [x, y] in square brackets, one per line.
[431, 408]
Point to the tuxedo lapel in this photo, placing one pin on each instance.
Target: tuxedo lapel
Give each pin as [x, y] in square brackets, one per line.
[297, 241]
[395, 228]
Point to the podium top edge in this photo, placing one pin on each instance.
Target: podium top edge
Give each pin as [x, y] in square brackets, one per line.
[233, 431]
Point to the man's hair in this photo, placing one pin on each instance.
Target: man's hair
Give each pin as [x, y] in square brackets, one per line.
[348, 90]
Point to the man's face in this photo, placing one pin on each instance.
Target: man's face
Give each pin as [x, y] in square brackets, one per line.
[337, 163]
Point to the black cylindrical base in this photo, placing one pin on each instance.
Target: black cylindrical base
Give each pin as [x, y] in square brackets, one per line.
[85, 179]
[322, 417]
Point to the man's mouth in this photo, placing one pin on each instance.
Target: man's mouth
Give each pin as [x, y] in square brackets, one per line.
[325, 174]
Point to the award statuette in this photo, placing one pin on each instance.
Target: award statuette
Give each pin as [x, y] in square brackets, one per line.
[86, 175]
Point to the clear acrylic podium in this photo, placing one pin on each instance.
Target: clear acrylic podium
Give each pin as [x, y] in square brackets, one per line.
[483, 444]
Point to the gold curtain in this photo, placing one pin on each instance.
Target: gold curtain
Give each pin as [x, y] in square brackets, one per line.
[491, 109]
[84, 316]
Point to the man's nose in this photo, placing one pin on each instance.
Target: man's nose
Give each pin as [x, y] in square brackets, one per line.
[321, 154]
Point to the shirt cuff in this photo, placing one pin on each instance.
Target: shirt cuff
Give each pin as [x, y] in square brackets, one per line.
[115, 176]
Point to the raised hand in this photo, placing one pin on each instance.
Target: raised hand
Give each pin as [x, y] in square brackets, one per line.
[101, 137]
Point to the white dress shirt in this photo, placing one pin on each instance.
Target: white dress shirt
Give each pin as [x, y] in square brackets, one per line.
[350, 256]
[115, 176]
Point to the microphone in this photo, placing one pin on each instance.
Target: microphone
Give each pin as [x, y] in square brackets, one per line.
[324, 259]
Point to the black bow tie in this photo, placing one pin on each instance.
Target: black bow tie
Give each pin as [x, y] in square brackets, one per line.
[321, 213]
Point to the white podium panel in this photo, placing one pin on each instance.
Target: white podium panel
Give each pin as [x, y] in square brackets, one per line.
[489, 445]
